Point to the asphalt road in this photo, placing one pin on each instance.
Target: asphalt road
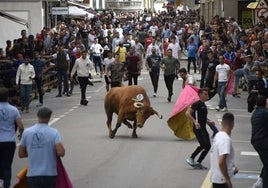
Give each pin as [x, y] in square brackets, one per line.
[156, 159]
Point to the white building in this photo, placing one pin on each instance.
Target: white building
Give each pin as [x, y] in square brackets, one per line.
[16, 15]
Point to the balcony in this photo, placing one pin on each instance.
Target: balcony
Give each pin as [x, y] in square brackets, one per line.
[123, 5]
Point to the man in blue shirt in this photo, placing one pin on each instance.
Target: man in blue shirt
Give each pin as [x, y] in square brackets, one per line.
[10, 120]
[39, 65]
[192, 50]
[41, 144]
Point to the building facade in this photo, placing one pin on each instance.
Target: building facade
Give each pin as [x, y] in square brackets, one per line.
[245, 15]
[223, 8]
[17, 15]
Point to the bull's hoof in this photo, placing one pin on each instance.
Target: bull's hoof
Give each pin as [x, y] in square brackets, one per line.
[134, 136]
[111, 135]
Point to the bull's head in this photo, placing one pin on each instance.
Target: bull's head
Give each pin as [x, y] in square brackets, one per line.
[143, 113]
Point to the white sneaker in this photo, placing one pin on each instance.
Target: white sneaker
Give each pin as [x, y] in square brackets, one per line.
[191, 162]
[224, 109]
[258, 183]
[217, 108]
[154, 94]
[200, 166]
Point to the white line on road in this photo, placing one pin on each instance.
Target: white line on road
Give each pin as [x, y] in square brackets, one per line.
[249, 153]
[54, 120]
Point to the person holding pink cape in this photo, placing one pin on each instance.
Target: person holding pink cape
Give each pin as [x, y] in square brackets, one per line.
[41, 143]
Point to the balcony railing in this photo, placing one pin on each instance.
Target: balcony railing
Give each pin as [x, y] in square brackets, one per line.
[131, 5]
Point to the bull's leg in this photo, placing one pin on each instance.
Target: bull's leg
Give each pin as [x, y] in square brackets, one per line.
[109, 123]
[134, 134]
[127, 124]
[118, 124]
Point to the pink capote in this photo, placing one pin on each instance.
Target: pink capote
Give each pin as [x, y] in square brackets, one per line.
[22, 183]
[63, 180]
[230, 86]
[178, 122]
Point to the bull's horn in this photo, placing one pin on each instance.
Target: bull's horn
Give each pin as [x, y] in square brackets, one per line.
[159, 115]
[138, 104]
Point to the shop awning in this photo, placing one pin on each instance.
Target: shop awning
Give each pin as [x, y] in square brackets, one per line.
[75, 11]
[78, 5]
[14, 18]
[252, 5]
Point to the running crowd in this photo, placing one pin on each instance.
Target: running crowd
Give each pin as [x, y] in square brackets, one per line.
[117, 47]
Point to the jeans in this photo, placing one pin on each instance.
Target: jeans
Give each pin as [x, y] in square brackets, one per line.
[221, 91]
[83, 82]
[191, 59]
[238, 73]
[42, 181]
[154, 75]
[202, 137]
[62, 77]
[39, 85]
[133, 76]
[169, 79]
[203, 75]
[7, 150]
[25, 92]
[97, 63]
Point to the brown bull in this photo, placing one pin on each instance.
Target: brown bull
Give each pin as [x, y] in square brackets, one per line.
[129, 103]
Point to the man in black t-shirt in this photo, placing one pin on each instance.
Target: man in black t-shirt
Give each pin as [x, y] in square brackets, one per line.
[211, 70]
[197, 113]
[84, 31]
[153, 66]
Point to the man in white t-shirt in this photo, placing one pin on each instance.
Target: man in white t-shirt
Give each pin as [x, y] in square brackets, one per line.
[176, 49]
[222, 155]
[153, 28]
[222, 76]
[96, 50]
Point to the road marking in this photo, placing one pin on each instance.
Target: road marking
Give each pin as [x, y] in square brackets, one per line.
[206, 183]
[249, 153]
[54, 120]
[29, 119]
[241, 141]
[241, 175]
[246, 176]
[240, 115]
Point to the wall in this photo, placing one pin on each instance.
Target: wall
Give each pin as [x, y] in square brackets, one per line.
[30, 11]
[223, 8]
